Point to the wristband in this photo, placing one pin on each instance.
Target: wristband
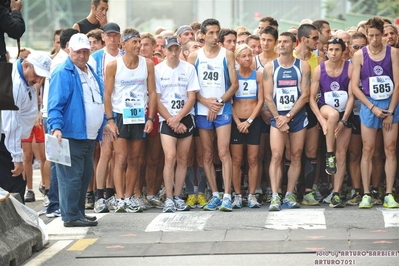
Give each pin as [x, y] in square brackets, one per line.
[110, 118]
[371, 109]
[152, 119]
[344, 122]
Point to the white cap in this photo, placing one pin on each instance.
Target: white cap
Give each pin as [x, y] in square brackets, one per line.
[41, 62]
[79, 41]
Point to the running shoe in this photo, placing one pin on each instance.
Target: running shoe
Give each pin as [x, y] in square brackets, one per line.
[119, 205]
[366, 202]
[140, 201]
[30, 196]
[275, 204]
[192, 201]
[100, 206]
[269, 194]
[180, 205]
[336, 202]
[237, 202]
[355, 200]
[46, 201]
[42, 189]
[309, 200]
[156, 202]
[252, 202]
[169, 205]
[375, 197]
[316, 193]
[201, 200]
[331, 168]
[213, 204]
[132, 205]
[290, 202]
[89, 200]
[226, 205]
[389, 202]
[54, 214]
[328, 198]
[111, 203]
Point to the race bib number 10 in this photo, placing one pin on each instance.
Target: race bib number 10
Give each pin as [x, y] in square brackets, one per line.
[134, 115]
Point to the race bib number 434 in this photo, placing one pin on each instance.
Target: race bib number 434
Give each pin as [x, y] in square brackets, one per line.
[286, 98]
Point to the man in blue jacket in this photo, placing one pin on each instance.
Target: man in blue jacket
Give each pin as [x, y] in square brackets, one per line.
[76, 112]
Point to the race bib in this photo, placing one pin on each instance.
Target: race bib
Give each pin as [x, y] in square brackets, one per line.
[134, 110]
[175, 106]
[211, 75]
[336, 99]
[381, 87]
[246, 88]
[286, 98]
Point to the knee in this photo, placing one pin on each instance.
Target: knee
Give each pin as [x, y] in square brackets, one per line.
[277, 158]
[354, 156]
[224, 153]
[252, 161]
[237, 160]
[368, 151]
[207, 156]
[390, 150]
[296, 156]
[333, 118]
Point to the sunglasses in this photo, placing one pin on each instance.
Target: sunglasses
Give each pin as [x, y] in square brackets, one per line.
[335, 41]
[314, 38]
[357, 47]
[201, 40]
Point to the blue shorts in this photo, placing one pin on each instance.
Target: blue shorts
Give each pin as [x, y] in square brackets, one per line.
[367, 117]
[264, 128]
[299, 122]
[220, 120]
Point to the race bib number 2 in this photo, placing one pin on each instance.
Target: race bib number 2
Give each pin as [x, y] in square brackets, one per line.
[381, 87]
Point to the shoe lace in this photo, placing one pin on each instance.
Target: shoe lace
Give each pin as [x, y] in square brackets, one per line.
[331, 161]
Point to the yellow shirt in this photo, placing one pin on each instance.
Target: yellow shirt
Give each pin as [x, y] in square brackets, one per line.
[313, 61]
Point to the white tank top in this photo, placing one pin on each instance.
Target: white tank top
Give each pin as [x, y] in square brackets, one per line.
[130, 86]
[211, 76]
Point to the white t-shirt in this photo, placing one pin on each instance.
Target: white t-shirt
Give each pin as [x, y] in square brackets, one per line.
[94, 105]
[173, 85]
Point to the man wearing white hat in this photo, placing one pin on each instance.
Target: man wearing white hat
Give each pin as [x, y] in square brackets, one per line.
[75, 112]
[18, 124]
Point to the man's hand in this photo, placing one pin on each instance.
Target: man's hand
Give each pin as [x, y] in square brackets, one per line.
[211, 116]
[18, 169]
[16, 5]
[148, 126]
[108, 133]
[58, 134]
[101, 18]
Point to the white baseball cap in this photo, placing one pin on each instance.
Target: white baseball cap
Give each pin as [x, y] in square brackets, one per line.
[79, 41]
[41, 62]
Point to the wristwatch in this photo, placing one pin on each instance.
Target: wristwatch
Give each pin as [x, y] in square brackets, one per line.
[250, 120]
[220, 100]
[389, 113]
[151, 119]
[288, 115]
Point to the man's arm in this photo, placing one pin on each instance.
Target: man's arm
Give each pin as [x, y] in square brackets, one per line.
[12, 23]
[268, 88]
[305, 89]
[233, 77]
[76, 27]
[395, 74]
[152, 95]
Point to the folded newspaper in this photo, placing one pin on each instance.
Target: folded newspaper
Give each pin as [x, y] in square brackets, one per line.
[56, 152]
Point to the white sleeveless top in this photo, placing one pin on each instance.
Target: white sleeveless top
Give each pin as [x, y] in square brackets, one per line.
[130, 86]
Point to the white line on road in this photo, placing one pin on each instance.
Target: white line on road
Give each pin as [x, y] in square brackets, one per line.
[296, 219]
[48, 253]
[391, 217]
[193, 221]
[57, 231]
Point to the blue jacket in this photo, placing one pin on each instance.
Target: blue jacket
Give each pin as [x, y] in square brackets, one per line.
[66, 110]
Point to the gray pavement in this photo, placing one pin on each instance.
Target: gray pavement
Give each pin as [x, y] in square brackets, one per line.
[246, 236]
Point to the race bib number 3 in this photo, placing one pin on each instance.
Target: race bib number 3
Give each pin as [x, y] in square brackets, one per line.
[286, 98]
[133, 115]
[381, 87]
[336, 99]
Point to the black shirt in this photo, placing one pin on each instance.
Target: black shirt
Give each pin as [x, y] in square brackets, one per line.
[85, 26]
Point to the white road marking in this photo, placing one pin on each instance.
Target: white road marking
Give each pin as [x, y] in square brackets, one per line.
[48, 253]
[296, 219]
[57, 231]
[391, 217]
[192, 221]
